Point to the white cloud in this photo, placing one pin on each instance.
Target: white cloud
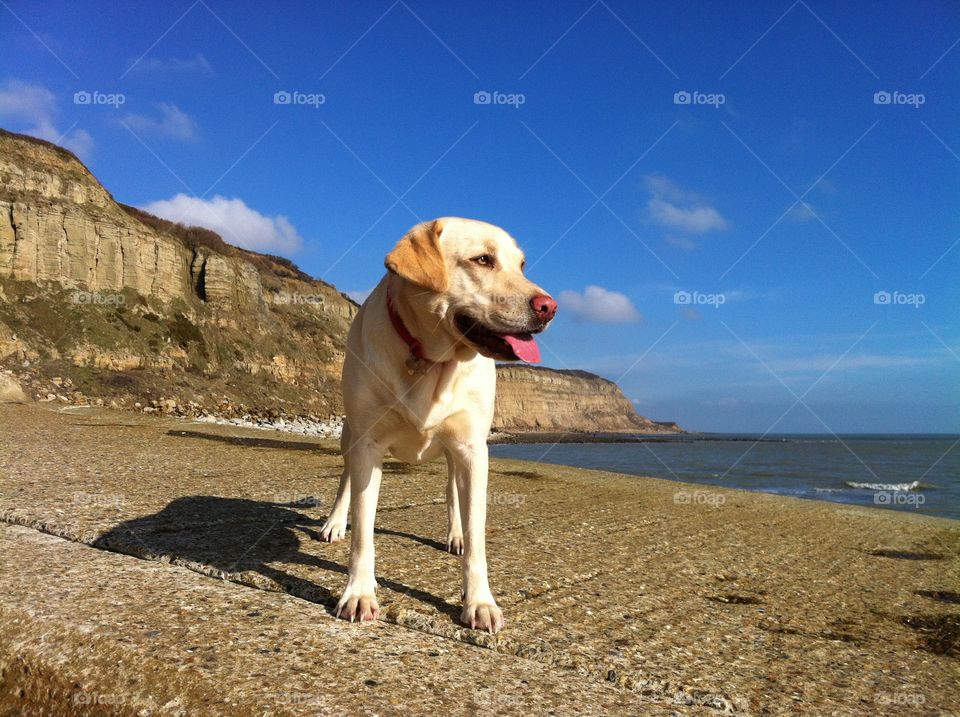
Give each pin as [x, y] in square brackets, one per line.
[231, 218]
[695, 220]
[198, 64]
[31, 109]
[660, 186]
[599, 305]
[32, 103]
[678, 209]
[173, 122]
[802, 212]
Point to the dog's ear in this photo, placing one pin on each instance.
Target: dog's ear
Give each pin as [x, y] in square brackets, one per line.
[418, 257]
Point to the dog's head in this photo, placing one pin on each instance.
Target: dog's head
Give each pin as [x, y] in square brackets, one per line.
[470, 278]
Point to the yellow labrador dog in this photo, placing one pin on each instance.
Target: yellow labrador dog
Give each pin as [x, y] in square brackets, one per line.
[419, 381]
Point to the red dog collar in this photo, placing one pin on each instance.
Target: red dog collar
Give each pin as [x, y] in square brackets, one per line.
[417, 363]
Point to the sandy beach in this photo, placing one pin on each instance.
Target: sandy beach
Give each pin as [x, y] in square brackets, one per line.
[158, 566]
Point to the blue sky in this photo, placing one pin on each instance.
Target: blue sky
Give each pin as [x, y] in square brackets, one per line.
[778, 201]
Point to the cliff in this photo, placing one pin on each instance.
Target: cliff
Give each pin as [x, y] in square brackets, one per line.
[60, 225]
[98, 299]
[103, 302]
[539, 399]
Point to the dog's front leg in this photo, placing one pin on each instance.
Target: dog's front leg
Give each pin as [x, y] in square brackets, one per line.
[359, 601]
[480, 610]
[454, 526]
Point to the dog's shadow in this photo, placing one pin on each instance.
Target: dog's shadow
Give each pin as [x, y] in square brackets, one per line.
[237, 535]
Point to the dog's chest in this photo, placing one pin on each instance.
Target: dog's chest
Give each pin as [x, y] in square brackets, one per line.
[432, 398]
[412, 446]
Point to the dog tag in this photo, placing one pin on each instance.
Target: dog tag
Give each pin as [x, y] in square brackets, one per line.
[416, 365]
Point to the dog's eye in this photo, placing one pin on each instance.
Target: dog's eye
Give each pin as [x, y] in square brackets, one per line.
[484, 260]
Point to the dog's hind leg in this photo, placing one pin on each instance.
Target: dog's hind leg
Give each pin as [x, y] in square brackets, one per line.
[336, 526]
[454, 526]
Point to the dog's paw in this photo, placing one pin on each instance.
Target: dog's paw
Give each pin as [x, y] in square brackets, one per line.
[357, 607]
[333, 530]
[455, 544]
[482, 616]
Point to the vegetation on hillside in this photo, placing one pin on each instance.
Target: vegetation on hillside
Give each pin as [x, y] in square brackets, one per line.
[196, 237]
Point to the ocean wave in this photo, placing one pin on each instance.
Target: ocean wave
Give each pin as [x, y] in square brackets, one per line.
[915, 485]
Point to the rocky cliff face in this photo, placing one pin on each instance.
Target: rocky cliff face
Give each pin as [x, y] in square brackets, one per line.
[102, 301]
[538, 399]
[58, 224]
[89, 288]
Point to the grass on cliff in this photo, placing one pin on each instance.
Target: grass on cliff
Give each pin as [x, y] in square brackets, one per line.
[54, 322]
[61, 151]
[192, 351]
[14, 146]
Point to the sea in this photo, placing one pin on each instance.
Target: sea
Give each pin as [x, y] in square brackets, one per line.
[916, 472]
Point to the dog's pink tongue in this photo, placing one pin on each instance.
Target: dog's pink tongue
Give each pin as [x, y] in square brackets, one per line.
[524, 347]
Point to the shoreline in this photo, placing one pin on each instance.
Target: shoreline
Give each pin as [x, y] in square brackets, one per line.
[806, 469]
[902, 498]
[548, 437]
[897, 497]
[332, 429]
